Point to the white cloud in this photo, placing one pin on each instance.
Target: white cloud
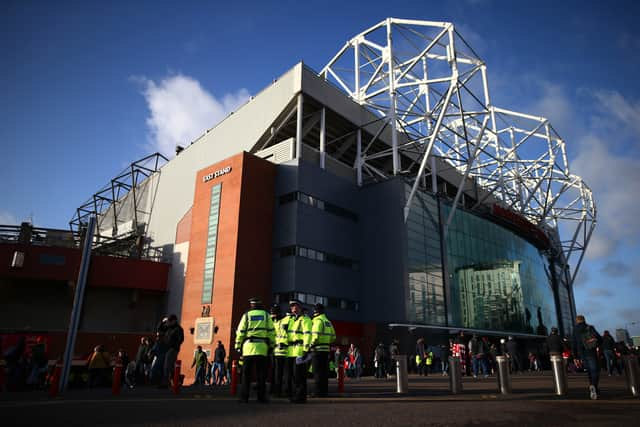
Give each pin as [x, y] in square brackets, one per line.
[6, 218]
[180, 110]
[554, 104]
[612, 178]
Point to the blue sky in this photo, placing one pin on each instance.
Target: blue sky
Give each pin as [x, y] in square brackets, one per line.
[88, 87]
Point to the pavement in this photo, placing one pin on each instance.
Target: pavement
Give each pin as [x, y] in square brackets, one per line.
[369, 402]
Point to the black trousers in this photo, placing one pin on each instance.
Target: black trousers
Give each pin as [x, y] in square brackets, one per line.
[320, 363]
[287, 380]
[300, 381]
[279, 369]
[260, 363]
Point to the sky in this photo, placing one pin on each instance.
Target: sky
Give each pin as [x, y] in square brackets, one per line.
[87, 87]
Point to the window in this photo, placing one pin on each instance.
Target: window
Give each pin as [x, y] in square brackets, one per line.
[317, 203]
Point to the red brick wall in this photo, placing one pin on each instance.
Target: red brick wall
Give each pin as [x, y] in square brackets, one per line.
[243, 250]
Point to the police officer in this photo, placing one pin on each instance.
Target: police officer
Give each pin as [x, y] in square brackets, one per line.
[281, 325]
[299, 337]
[255, 339]
[322, 336]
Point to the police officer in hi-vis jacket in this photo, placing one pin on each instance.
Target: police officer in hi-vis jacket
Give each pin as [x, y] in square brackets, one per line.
[255, 339]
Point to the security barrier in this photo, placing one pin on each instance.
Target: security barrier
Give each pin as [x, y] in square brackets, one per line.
[402, 376]
[341, 378]
[176, 377]
[632, 371]
[559, 368]
[55, 380]
[117, 379]
[504, 377]
[455, 376]
[234, 377]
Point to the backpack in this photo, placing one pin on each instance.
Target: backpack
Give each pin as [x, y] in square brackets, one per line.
[589, 338]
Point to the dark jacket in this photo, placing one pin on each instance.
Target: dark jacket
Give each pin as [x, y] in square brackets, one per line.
[512, 348]
[554, 344]
[174, 336]
[219, 355]
[608, 343]
[577, 344]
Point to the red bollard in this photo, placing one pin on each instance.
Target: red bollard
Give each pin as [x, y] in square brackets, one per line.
[341, 378]
[117, 380]
[55, 381]
[176, 377]
[234, 377]
[3, 378]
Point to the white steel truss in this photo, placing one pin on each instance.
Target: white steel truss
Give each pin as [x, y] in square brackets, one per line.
[431, 89]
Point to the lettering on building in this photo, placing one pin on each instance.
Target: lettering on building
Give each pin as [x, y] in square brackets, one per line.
[216, 174]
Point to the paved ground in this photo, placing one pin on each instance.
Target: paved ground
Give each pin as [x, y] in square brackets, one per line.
[367, 402]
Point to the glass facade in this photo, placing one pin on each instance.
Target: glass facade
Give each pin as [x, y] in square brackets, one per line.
[212, 240]
[497, 279]
[426, 302]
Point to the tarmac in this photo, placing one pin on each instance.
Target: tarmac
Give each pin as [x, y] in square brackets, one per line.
[367, 402]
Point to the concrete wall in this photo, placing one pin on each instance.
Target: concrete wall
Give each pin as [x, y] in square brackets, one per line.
[238, 132]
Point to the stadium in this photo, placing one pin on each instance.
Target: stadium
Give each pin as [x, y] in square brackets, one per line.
[386, 186]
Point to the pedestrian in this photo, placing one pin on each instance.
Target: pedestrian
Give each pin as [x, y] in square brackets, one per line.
[338, 361]
[156, 355]
[281, 326]
[379, 358]
[142, 359]
[99, 365]
[477, 353]
[554, 343]
[217, 368]
[355, 362]
[445, 351]
[173, 338]
[255, 339]
[585, 342]
[322, 336]
[513, 355]
[460, 351]
[299, 334]
[200, 362]
[421, 356]
[608, 349]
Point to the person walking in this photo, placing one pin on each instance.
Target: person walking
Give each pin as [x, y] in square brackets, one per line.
[299, 334]
[608, 349]
[217, 368]
[445, 351]
[379, 360]
[322, 336]
[142, 360]
[281, 326]
[201, 363]
[173, 338]
[585, 342]
[421, 357]
[477, 353]
[255, 340]
[514, 356]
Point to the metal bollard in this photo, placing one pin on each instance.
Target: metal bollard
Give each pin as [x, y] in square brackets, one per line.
[559, 368]
[632, 372]
[402, 376]
[504, 378]
[455, 376]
